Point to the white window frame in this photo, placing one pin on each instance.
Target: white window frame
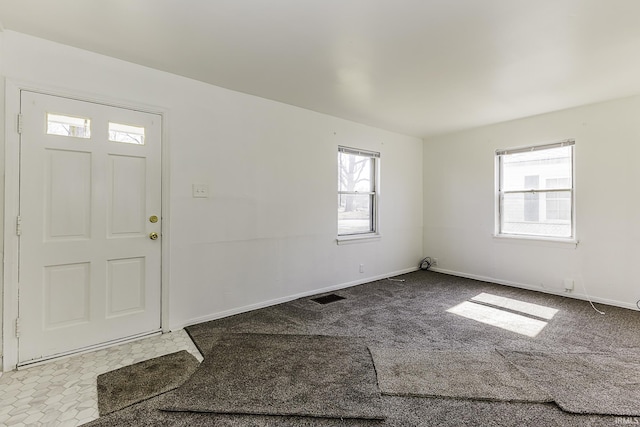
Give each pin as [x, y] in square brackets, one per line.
[500, 192]
[374, 232]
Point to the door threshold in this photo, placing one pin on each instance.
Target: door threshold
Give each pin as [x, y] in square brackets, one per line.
[84, 350]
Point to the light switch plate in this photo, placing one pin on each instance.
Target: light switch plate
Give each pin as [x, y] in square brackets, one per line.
[200, 190]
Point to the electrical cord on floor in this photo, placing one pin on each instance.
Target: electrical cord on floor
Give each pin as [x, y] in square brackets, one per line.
[638, 304]
[584, 288]
[594, 307]
[425, 263]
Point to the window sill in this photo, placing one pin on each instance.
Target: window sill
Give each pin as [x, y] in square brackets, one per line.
[537, 239]
[358, 238]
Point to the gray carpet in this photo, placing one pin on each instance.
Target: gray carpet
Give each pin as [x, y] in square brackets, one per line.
[302, 375]
[132, 384]
[586, 383]
[413, 315]
[481, 375]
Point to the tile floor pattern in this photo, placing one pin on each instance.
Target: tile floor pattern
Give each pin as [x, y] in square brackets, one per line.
[64, 392]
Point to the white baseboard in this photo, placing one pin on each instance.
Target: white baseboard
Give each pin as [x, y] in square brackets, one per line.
[268, 303]
[561, 292]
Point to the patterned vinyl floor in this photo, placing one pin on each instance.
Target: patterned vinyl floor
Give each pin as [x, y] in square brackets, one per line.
[63, 392]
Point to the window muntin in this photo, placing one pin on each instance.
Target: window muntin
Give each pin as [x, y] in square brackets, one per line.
[357, 191]
[535, 193]
[531, 200]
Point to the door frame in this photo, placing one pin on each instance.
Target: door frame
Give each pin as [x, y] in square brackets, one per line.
[9, 286]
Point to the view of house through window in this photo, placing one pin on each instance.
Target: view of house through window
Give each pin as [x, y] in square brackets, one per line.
[357, 191]
[536, 190]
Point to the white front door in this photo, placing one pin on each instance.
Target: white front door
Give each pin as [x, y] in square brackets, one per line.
[90, 188]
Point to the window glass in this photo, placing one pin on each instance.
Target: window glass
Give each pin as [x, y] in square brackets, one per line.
[536, 191]
[357, 192]
[78, 127]
[125, 133]
[558, 202]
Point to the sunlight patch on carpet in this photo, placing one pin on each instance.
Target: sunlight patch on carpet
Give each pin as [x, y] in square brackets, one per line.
[527, 308]
[499, 318]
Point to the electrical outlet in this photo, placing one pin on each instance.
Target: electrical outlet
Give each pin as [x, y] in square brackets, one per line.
[361, 268]
[200, 190]
[568, 285]
[434, 262]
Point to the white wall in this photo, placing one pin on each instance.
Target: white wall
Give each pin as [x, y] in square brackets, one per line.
[459, 195]
[2, 133]
[268, 230]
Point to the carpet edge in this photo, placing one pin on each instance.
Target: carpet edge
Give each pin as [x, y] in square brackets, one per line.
[162, 391]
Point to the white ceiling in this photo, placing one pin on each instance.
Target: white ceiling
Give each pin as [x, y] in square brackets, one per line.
[420, 67]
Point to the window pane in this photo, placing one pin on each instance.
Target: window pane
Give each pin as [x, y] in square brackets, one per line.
[518, 169]
[125, 133]
[355, 173]
[531, 207]
[355, 213]
[556, 183]
[532, 182]
[558, 205]
[68, 126]
[517, 216]
[537, 192]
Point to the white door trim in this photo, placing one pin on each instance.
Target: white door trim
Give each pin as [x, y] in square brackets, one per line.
[12, 205]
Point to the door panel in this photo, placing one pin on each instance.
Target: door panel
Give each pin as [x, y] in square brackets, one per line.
[66, 295]
[125, 286]
[68, 196]
[127, 190]
[89, 181]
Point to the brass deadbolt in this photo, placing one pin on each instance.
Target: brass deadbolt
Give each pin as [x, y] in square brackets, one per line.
[153, 219]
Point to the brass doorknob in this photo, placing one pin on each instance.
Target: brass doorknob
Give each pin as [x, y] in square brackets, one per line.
[153, 236]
